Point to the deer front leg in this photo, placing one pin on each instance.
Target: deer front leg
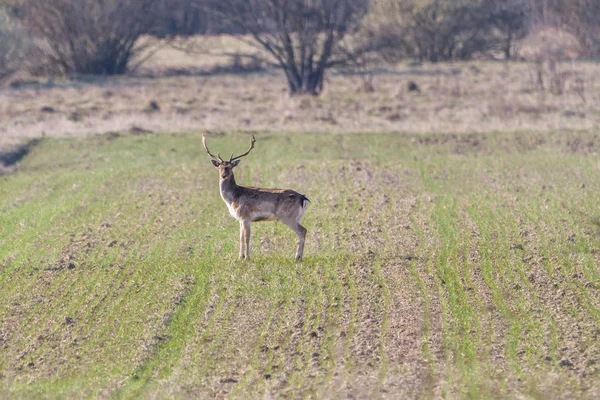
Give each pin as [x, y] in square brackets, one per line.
[242, 235]
[247, 231]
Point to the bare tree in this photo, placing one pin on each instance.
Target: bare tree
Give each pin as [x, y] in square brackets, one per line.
[89, 36]
[512, 19]
[13, 44]
[440, 30]
[302, 37]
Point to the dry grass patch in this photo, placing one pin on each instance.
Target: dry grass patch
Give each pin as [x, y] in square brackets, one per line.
[461, 97]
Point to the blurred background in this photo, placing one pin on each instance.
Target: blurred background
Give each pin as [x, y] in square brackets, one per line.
[98, 66]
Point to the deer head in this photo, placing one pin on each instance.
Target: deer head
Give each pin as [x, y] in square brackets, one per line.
[226, 167]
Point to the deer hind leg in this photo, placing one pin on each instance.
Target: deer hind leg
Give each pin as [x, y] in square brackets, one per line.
[301, 232]
[247, 230]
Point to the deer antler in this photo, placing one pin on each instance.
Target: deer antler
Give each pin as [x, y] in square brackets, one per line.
[246, 153]
[217, 157]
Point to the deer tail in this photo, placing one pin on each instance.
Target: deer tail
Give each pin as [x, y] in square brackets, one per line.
[304, 200]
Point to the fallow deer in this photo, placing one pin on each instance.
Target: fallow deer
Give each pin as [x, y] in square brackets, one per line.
[250, 204]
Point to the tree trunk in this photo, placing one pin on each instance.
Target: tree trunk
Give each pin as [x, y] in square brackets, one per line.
[508, 46]
[308, 83]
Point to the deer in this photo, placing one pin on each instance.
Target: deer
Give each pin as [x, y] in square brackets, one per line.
[249, 204]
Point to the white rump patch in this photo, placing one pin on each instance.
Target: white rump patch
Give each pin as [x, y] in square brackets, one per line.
[302, 210]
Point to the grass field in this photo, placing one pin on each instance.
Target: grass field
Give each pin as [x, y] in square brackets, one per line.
[435, 266]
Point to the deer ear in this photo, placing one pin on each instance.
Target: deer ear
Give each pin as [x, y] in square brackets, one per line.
[235, 163]
[215, 163]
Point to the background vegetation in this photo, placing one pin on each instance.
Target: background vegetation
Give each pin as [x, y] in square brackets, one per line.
[302, 38]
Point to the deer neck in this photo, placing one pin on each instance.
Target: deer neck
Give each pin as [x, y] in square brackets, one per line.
[229, 189]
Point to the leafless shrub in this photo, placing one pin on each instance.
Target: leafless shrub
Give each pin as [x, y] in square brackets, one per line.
[558, 77]
[579, 89]
[579, 17]
[88, 36]
[437, 30]
[551, 51]
[551, 72]
[584, 23]
[360, 62]
[13, 44]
